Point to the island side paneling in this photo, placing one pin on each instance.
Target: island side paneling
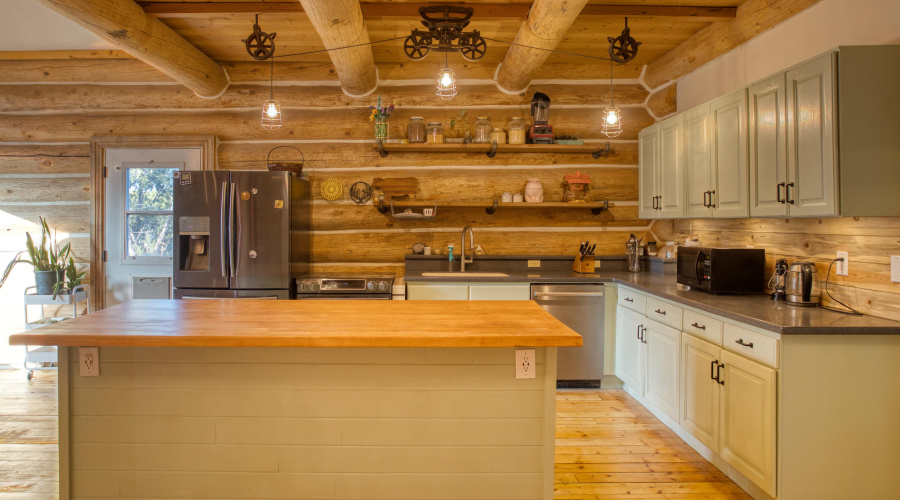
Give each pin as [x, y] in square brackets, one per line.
[314, 423]
[49, 110]
[870, 242]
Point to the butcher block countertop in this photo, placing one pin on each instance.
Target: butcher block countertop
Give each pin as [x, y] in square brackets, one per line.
[298, 323]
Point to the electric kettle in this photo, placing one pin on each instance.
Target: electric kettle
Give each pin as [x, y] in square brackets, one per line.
[802, 284]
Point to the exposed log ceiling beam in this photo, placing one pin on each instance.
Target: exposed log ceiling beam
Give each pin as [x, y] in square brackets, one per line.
[376, 9]
[546, 25]
[753, 17]
[124, 24]
[340, 23]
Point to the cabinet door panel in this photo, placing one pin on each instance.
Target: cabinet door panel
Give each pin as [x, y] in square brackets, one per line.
[697, 162]
[699, 392]
[663, 348]
[730, 192]
[649, 159]
[437, 291]
[629, 349]
[747, 426]
[512, 291]
[670, 180]
[768, 148]
[811, 138]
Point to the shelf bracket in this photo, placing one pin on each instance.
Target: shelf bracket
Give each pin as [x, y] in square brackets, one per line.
[384, 153]
[380, 205]
[491, 210]
[493, 152]
[603, 152]
[598, 210]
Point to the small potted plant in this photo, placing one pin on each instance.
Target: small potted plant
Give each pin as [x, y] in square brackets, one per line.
[73, 279]
[379, 115]
[48, 260]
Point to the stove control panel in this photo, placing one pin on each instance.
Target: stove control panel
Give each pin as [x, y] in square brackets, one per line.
[362, 285]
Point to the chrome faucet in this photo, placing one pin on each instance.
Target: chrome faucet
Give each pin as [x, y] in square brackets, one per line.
[462, 246]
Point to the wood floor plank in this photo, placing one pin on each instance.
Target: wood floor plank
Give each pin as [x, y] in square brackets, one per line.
[608, 447]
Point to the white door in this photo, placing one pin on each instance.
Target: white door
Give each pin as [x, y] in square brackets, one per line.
[671, 169]
[768, 148]
[663, 347]
[729, 197]
[138, 221]
[629, 348]
[700, 391]
[649, 165]
[697, 162]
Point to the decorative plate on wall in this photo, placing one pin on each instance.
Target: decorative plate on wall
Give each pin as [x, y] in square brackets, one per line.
[332, 190]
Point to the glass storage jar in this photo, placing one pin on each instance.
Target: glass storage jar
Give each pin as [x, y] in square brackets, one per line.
[498, 136]
[517, 128]
[416, 130]
[482, 130]
[435, 133]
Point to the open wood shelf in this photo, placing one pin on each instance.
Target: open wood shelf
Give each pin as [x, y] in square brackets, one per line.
[490, 206]
[492, 149]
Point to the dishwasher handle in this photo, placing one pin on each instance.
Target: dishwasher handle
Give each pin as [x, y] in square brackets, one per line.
[567, 294]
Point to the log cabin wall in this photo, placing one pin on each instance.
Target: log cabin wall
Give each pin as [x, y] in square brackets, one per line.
[869, 240]
[49, 110]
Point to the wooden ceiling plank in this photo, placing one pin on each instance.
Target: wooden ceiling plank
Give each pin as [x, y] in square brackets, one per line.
[389, 9]
[753, 17]
[546, 25]
[123, 23]
[340, 24]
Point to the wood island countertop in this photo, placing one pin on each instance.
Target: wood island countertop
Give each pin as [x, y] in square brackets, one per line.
[319, 323]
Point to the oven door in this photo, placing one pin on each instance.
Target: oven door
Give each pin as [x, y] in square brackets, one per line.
[343, 296]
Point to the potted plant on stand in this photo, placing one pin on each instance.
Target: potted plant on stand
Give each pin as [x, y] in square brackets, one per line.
[48, 260]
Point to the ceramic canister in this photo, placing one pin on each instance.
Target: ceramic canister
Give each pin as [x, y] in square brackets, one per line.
[534, 191]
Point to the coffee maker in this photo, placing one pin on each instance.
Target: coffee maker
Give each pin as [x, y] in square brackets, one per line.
[541, 132]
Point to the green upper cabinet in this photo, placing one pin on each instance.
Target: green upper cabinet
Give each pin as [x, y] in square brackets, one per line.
[729, 192]
[648, 148]
[662, 170]
[768, 148]
[697, 162]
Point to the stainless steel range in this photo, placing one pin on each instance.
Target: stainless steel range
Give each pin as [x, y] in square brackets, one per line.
[355, 288]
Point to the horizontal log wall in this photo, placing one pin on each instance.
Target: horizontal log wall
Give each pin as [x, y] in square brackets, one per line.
[869, 240]
[49, 109]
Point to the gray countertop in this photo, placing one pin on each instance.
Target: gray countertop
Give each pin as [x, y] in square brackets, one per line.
[754, 309]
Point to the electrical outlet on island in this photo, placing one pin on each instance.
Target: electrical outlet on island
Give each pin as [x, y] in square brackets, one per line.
[89, 361]
[525, 363]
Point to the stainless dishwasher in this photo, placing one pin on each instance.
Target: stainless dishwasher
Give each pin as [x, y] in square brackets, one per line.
[580, 307]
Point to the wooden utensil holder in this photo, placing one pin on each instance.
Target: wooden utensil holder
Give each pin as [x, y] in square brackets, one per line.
[583, 266]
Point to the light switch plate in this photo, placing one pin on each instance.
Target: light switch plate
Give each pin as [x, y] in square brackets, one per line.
[895, 268]
[534, 263]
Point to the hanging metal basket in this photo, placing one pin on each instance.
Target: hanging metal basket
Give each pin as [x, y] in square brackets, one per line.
[289, 166]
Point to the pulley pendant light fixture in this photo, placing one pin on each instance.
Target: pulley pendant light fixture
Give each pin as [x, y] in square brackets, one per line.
[446, 84]
[271, 113]
[612, 117]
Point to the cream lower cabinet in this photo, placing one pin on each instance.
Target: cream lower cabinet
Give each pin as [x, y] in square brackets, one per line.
[467, 291]
[647, 359]
[728, 404]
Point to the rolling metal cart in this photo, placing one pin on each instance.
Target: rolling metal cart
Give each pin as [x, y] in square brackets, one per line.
[45, 357]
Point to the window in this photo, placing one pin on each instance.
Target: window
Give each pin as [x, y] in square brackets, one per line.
[148, 213]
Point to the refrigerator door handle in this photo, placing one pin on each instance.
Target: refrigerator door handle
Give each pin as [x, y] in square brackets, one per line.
[231, 217]
[222, 228]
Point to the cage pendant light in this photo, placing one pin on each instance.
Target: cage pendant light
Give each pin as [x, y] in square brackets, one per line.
[271, 113]
[446, 84]
[612, 117]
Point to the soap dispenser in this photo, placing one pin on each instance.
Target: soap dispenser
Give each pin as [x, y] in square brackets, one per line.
[450, 254]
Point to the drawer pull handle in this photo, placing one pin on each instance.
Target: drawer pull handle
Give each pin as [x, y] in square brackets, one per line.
[741, 342]
[699, 327]
[660, 312]
[719, 372]
[712, 369]
[627, 299]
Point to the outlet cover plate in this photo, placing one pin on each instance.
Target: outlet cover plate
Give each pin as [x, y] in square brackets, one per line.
[842, 268]
[895, 268]
[89, 361]
[534, 263]
[525, 363]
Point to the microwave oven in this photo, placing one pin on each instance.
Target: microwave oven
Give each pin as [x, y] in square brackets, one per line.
[722, 270]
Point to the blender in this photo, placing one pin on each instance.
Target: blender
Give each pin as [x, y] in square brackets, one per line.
[541, 132]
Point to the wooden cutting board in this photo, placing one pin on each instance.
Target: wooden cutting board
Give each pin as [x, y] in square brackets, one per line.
[395, 187]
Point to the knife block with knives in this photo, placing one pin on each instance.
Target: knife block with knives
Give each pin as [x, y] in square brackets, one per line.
[584, 261]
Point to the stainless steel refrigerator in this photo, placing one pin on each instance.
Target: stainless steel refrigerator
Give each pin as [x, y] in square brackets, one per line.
[240, 234]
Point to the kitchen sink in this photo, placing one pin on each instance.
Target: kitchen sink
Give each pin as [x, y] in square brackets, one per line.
[445, 274]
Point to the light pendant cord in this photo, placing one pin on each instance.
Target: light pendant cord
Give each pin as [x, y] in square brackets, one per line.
[272, 80]
[612, 103]
[852, 311]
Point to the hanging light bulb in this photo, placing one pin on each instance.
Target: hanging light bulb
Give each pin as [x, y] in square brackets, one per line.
[271, 113]
[446, 86]
[612, 117]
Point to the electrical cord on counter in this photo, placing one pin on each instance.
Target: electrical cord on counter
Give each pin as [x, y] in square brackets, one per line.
[852, 311]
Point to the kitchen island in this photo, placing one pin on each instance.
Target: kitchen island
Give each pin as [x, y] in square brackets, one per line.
[295, 399]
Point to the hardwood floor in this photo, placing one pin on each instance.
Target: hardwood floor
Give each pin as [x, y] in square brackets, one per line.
[607, 447]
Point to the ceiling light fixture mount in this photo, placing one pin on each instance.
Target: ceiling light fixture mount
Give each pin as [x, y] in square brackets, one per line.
[623, 48]
[445, 33]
